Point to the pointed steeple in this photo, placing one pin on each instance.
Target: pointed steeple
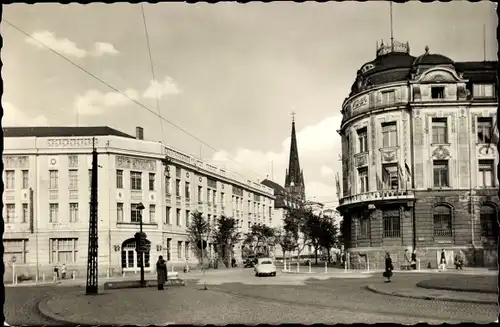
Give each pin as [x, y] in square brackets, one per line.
[294, 179]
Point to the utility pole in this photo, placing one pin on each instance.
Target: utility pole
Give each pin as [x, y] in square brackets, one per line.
[92, 279]
[141, 246]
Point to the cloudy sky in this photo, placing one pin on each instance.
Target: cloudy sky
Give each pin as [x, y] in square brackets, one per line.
[229, 73]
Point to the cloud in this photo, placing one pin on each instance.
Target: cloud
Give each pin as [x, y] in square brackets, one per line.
[61, 45]
[319, 147]
[94, 102]
[103, 48]
[168, 87]
[67, 47]
[13, 117]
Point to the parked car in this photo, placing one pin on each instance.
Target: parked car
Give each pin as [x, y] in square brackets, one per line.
[250, 261]
[265, 267]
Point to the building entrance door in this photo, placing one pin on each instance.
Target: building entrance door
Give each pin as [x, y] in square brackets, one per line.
[130, 258]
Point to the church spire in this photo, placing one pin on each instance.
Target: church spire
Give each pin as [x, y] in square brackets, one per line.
[294, 180]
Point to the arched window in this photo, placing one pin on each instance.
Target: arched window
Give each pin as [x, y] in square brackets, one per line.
[488, 217]
[392, 223]
[442, 221]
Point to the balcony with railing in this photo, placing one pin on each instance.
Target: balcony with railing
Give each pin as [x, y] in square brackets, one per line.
[178, 200]
[168, 197]
[443, 232]
[9, 195]
[73, 194]
[381, 195]
[53, 194]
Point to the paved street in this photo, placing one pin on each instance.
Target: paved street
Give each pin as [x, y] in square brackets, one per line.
[237, 296]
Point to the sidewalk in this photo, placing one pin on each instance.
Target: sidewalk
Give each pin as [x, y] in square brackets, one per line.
[401, 289]
[339, 271]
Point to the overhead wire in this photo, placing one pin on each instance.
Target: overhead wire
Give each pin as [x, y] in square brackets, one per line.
[125, 95]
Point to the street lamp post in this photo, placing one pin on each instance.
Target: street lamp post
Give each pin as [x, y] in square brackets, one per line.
[140, 207]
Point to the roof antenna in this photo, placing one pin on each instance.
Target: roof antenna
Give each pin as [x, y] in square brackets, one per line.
[392, 36]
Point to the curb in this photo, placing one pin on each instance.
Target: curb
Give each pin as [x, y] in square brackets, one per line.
[447, 288]
[428, 297]
[44, 310]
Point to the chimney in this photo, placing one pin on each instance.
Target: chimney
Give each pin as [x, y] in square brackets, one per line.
[139, 133]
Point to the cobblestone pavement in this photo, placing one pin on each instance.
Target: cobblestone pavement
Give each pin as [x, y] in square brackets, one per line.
[280, 299]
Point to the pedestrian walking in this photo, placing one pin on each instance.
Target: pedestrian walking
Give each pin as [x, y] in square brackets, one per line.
[407, 264]
[459, 260]
[442, 261]
[63, 271]
[186, 266]
[414, 259]
[161, 271]
[388, 267]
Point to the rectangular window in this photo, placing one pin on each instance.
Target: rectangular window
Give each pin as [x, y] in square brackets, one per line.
[439, 130]
[178, 217]
[179, 249]
[486, 177]
[169, 248]
[135, 213]
[10, 209]
[363, 180]
[15, 249]
[188, 213]
[442, 221]
[178, 187]
[270, 212]
[73, 212]
[214, 197]
[209, 219]
[363, 140]
[119, 212]
[73, 179]
[389, 135]
[200, 194]
[222, 200]
[483, 91]
[10, 179]
[119, 178]
[25, 179]
[152, 213]
[390, 176]
[63, 250]
[135, 180]
[437, 92]
[186, 250]
[187, 190]
[167, 216]
[392, 220]
[178, 172]
[53, 212]
[484, 130]
[151, 181]
[73, 161]
[209, 191]
[389, 97]
[25, 213]
[441, 173]
[167, 185]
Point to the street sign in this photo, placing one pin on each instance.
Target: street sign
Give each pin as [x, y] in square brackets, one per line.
[13, 259]
[144, 248]
[201, 244]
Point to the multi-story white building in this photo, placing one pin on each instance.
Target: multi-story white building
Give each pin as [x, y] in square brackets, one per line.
[47, 179]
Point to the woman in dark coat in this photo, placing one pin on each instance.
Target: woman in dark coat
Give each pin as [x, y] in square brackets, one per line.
[388, 267]
[161, 271]
[414, 260]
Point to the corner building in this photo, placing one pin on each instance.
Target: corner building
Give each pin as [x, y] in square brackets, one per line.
[419, 159]
[47, 179]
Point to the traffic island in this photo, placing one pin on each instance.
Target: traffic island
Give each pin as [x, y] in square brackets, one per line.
[474, 284]
[415, 292]
[137, 284]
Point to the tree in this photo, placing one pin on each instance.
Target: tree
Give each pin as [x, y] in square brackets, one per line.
[314, 232]
[198, 229]
[285, 240]
[225, 236]
[294, 225]
[329, 235]
[260, 236]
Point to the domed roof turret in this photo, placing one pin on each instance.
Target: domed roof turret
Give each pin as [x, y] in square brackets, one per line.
[432, 59]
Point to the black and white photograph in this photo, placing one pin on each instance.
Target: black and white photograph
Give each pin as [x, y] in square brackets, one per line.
[250, 163]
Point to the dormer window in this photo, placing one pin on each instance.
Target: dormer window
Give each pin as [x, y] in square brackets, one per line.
[437, 92]
[482, 91]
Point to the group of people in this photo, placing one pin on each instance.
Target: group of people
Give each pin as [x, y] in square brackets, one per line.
[412, 262]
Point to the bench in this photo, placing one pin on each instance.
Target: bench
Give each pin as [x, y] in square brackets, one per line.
[405, 266]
